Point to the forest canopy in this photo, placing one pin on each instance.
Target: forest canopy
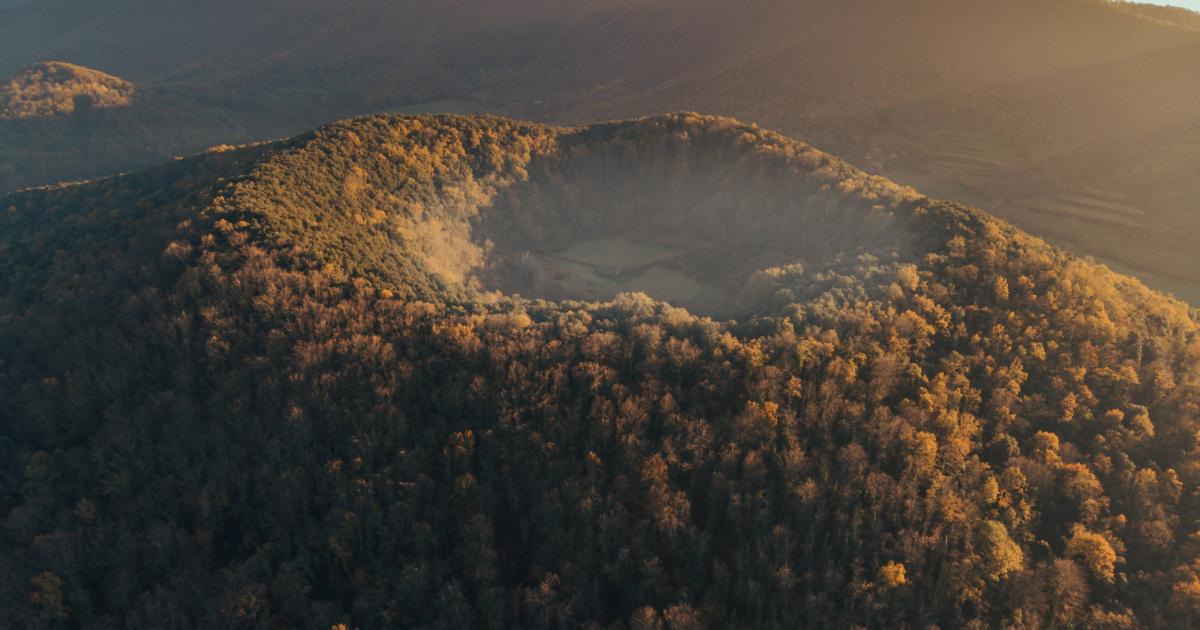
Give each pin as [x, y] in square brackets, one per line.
[376, 375]
[54, 88]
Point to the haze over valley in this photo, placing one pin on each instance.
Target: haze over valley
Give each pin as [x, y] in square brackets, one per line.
[1074, 118]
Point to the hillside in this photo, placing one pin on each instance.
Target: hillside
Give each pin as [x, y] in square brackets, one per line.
[391, 373]
[54, 88]
[1072, 118]
[1173, 15]
[59, 121]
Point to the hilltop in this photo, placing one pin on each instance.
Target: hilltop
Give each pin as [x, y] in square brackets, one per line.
[677, 371]
[1071, 118]
[1172, 15]
[54, 88]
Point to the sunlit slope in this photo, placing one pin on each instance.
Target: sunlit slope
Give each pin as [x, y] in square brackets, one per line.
[1010, 106]
[332, 380]
[1020, 106]
[55, 89]
[214, 72]
[60, 121]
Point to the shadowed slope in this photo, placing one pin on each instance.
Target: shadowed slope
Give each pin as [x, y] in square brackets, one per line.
[297, 400]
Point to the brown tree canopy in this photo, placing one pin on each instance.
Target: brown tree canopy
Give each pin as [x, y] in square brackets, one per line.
[319, 382]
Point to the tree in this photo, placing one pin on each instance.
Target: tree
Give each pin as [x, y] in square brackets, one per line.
[1000, 555]
[1093, 551]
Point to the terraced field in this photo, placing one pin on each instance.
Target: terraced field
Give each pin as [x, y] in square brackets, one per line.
[1130, 240]
[974, 167]
[445, 106]
[955, 161]
[1091, 205]
[294, 96]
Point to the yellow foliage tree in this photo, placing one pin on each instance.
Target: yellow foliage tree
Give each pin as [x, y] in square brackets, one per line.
[1093, 551]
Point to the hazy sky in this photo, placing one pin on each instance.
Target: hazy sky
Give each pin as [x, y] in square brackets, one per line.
[1190, 4]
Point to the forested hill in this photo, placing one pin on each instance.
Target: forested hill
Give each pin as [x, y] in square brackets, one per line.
[1073, 119]
[363, 377]
[55, 88]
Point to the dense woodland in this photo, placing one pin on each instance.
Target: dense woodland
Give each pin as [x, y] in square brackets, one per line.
[248, 389]
[56, 88]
